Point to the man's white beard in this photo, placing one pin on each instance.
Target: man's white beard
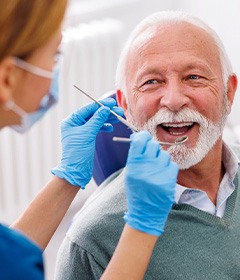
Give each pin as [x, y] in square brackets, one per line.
[209, 133]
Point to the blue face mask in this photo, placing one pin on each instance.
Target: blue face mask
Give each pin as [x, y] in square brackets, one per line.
[28, 119]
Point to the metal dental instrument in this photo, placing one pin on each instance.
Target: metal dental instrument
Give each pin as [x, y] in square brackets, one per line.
[121, 119]
[178, 141]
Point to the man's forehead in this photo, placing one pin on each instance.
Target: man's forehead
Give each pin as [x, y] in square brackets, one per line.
[168, 41]
[166, 34]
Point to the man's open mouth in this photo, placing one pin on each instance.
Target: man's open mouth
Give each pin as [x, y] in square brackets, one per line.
[177, 129]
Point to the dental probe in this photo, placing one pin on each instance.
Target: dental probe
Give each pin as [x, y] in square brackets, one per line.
[121, 119]
[178, 141]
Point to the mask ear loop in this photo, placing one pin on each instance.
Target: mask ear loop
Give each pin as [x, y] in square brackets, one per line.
[11, 106]
[33, 69]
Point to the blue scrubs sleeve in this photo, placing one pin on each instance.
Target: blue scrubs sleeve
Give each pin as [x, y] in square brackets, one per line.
[19, 257]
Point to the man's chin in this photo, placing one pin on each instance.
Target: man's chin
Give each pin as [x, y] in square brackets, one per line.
[184, 156]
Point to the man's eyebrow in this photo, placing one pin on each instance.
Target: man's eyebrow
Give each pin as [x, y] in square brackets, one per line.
[154, 71]
[197, 65]
[148, 71]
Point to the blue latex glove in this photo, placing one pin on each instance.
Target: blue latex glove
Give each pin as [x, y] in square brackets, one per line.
[150, 184]
[78, 135]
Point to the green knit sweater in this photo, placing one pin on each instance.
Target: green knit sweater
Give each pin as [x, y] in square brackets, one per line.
[198, 245]
[194, 245]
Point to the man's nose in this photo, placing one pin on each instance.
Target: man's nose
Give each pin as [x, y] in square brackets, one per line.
[174, 97]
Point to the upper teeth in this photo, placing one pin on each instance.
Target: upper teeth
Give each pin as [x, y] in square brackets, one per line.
[177, 124]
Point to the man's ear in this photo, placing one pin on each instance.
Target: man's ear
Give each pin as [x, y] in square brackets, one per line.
[231, 89]
[6, 79]
[121, 100]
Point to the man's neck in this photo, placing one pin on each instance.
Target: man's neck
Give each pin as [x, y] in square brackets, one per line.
[207, 174]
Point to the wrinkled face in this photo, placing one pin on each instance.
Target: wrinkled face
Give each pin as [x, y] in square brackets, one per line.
[175, 88]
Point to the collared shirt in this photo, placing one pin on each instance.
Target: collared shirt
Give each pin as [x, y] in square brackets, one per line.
[200, 199]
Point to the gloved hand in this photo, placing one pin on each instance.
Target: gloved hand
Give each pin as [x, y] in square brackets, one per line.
[78, 135]
[150, 184]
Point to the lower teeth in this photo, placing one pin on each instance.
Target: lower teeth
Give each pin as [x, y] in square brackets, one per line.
[176, 133]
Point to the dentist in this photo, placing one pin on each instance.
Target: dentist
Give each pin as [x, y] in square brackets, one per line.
[30, 35]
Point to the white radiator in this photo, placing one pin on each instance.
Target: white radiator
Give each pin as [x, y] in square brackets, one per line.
[90, 56]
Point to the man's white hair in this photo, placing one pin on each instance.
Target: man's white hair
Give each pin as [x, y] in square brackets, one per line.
[163, 18]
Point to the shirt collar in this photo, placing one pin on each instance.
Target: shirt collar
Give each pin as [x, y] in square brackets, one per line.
[231, 163]
[179, 191]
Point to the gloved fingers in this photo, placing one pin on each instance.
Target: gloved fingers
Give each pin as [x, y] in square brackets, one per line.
[72, 120]
[107, 127]
[152, 149]
[170, 173]
[80, 116]
[109, 102]
[83, 114]
[97, 121]
[138, 143]
[163, 159]
[119, 111]
[173, 170]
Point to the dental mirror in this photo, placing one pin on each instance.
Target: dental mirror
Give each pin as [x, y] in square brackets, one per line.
[178, 141]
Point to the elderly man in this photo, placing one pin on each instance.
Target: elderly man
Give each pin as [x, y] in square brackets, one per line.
[173, 78]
